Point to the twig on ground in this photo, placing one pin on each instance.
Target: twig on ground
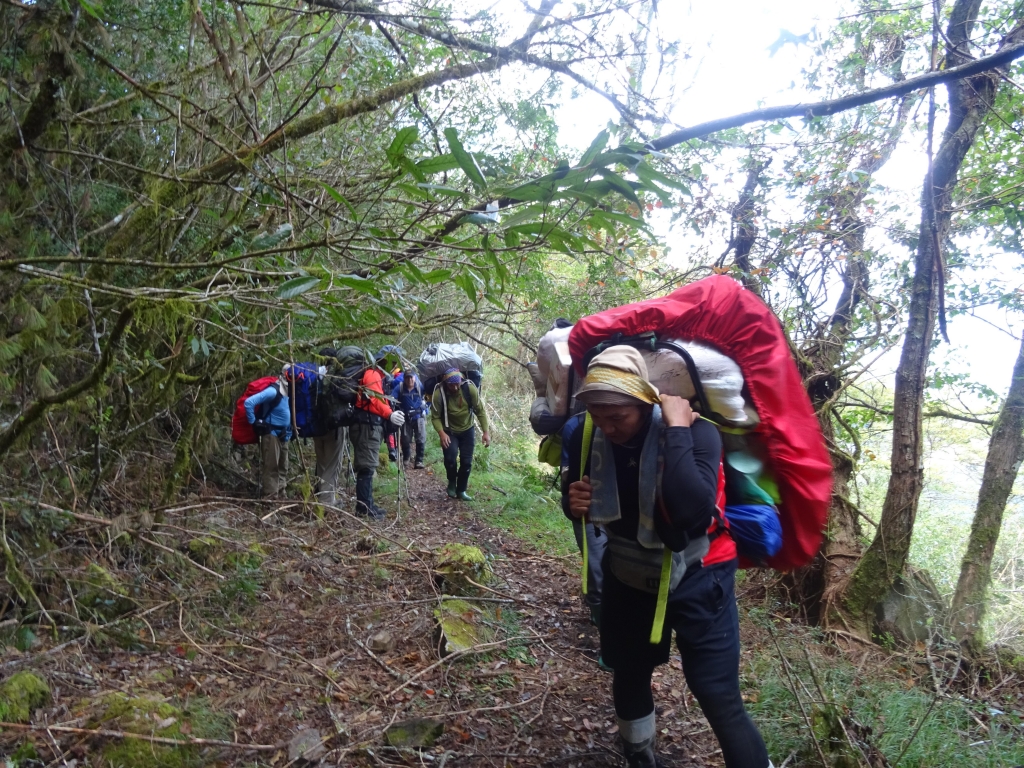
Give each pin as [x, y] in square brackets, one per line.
[184, 741]
[183, 557]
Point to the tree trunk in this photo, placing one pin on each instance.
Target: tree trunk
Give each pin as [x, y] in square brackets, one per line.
[1005, 452]
[969, 103]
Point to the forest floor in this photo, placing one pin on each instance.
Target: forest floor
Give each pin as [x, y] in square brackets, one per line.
[226, 631]
[270, 647]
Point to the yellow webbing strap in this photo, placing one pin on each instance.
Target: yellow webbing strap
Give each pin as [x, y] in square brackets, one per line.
[588, 437]
[662, 606]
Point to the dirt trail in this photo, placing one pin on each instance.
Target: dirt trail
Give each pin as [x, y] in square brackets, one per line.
[281, 645]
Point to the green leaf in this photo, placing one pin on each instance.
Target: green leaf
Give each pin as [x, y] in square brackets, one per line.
[403, 139]
[271, 239]
[297, 286]
[435, 276]
[356, 283]
[478, 218]
[647, 173]
[595, 148]
[620, 185]
[467, 284]
[417, 191]
[339, 198]
[410, 167]
[465, 160]
[438, 164]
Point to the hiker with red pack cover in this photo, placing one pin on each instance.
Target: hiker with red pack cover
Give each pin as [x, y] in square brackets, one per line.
[650, 479]
[269, 411]
[663, 484]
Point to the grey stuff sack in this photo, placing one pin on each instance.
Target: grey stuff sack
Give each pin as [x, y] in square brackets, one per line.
[437, 358]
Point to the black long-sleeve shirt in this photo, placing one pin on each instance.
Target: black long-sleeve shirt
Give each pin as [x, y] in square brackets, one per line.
[689, 484]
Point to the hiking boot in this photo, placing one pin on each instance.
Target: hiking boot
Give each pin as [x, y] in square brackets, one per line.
[392, 456]
[463, 496]
[451, 491]
[642, 758]
[419, 464]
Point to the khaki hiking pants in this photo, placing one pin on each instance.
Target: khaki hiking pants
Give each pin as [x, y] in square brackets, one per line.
[329, 449]
[275, 465]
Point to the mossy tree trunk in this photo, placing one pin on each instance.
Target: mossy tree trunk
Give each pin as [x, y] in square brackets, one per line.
[1005, 453]
[970, 101]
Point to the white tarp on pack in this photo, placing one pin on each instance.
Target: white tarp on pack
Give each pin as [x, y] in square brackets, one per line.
[720, 375]
[553, 363]
[438, 357]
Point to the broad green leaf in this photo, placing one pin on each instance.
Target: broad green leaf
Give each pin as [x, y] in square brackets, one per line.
[411, 168]
[297, 286]
[620, 185]
[339, 198]
[468, 285]
[465, 160]
[356, 283]
[403, 139]
[437, 275]
[595, 148]
[438, 164]
[415, 190]
[271, 239]
[648, 173]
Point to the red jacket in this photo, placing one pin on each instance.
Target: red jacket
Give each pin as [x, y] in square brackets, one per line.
[373, 381]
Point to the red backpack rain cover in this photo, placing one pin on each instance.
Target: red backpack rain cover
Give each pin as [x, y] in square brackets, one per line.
[241, 430]
[719, 311]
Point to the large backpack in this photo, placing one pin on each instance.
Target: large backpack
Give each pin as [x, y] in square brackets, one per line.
[304, 387]
[242, 432]
[340, 387]
[437, 358]
[796, 472]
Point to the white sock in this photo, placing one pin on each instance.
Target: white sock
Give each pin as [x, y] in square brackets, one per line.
[637, 731]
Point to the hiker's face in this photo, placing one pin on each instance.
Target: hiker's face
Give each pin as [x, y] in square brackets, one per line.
[409, 381]
[620, 423]
[452, 387]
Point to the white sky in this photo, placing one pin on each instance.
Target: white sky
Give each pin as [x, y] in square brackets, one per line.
[730, 72]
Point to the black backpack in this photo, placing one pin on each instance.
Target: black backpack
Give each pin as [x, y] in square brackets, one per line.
[345, 369]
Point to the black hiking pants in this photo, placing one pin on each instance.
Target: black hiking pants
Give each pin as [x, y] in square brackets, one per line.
[702, 611]
[459, 448]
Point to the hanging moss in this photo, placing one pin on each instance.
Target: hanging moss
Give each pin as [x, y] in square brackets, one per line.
[21, 693]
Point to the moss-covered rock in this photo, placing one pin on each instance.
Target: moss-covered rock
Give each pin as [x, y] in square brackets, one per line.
[152, 715]
[21, 693]
[420, 733]
[458, 566]
[101, 594]
[462, 625]
[250, 559]
[206, 550]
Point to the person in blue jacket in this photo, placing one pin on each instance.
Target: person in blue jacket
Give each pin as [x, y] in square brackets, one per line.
[270, 413]
[409, 393]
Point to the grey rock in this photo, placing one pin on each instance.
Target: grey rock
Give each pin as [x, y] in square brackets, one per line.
[382, 642]
[306, 745]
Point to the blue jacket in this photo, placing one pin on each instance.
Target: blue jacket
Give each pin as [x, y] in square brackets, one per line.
[280, 418]
[410, 402]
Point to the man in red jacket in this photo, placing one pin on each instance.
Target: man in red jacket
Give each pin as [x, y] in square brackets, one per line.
[372, 410]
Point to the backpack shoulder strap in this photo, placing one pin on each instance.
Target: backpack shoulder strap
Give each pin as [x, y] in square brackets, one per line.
[465, 394]
[588, 439]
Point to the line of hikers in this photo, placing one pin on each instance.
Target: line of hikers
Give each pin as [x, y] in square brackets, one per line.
[349, 396]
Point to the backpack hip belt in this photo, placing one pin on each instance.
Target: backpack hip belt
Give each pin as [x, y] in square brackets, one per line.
[641, 568]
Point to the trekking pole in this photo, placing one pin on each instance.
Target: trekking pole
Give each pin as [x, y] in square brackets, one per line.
[401, 467]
